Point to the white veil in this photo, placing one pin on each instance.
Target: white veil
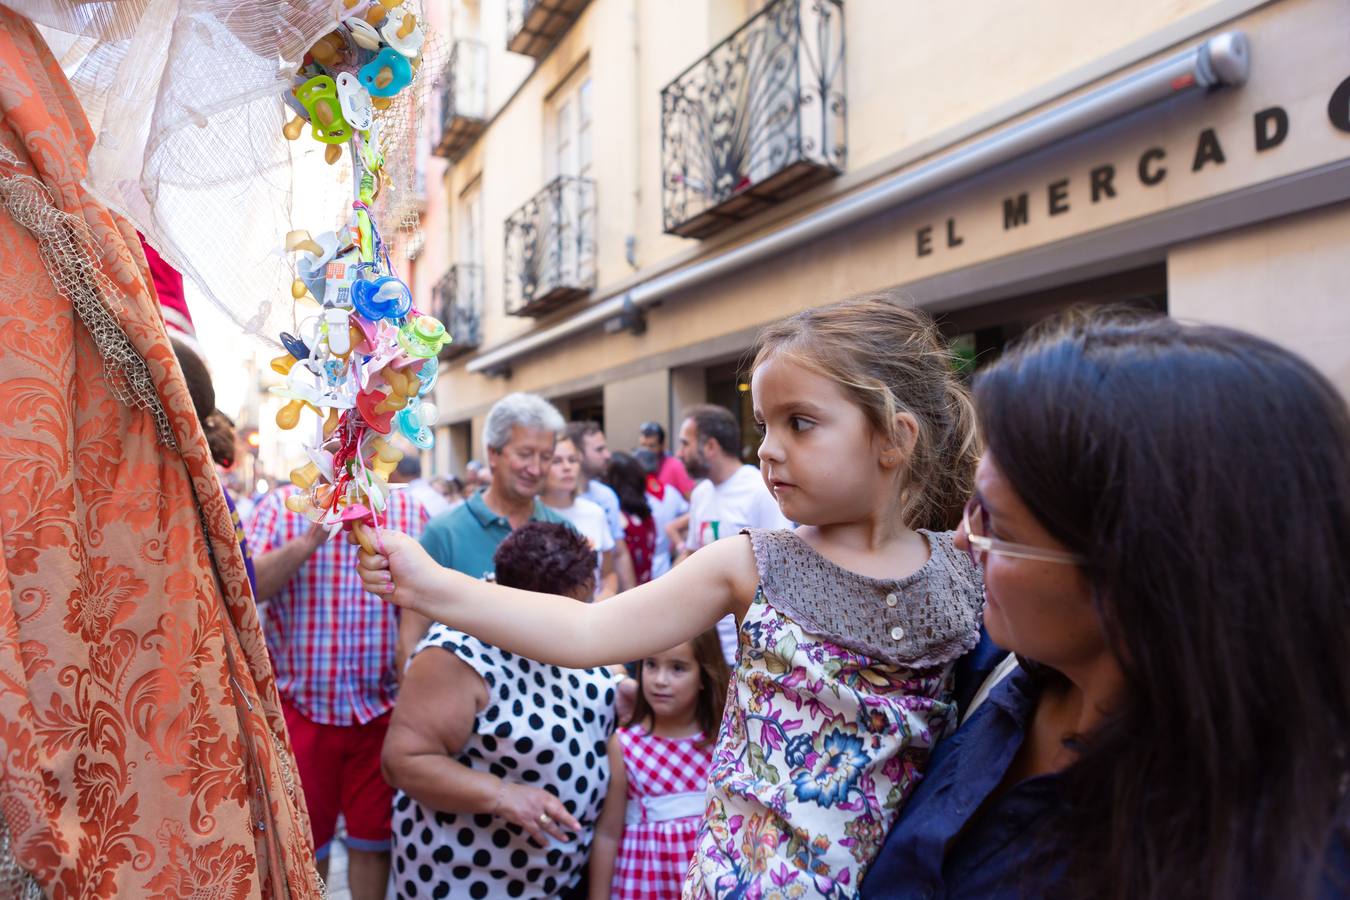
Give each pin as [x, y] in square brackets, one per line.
[185, 99]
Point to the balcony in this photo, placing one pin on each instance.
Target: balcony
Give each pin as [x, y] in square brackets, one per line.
[534, 26]
[550, 248]
[463, 100]
[760, 119]
[457, 300]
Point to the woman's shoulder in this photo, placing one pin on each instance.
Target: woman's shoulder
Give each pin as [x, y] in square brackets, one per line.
[477, 653]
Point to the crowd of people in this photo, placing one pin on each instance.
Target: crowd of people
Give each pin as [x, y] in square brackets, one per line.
[1073, 628]
[916, 657]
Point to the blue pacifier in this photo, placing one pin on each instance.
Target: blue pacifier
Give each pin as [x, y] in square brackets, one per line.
[387, 74]
[427, 375]
[383, 298]
[414, 423]
[294, 346]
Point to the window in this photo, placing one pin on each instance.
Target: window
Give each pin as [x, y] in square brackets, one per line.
[470, 250]
[570, 129]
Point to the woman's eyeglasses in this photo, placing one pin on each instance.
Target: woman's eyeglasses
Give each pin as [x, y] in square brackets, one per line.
[980, 545]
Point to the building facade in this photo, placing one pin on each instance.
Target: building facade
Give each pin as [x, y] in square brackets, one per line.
[621, 192]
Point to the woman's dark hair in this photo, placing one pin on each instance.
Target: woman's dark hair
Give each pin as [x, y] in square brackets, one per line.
[217, 427]
[1204, 474]
[198, 379]
[549, 557]
[713, 677]
[629, 480]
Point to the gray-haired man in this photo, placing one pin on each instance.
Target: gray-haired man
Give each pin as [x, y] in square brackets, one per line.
[519, 435]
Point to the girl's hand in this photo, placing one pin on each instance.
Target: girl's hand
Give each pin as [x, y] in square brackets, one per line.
[538, 812]
[400, 571]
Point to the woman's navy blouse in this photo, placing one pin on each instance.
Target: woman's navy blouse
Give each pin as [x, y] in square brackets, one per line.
[935, 850]
[964, 770]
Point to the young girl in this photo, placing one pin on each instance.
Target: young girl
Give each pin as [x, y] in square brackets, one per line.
[848, 626]
[659, 767]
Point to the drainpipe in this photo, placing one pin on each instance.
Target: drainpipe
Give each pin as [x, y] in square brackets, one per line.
[1220, 61]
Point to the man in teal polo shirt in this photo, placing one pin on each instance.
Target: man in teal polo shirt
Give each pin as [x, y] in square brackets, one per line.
[520, 432]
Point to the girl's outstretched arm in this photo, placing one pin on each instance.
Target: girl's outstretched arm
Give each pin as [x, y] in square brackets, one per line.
[719, 579]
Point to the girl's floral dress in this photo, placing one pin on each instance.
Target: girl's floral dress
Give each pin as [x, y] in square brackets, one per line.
[842, 686]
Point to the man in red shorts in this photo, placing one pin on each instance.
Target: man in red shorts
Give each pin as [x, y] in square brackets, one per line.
[332, 645]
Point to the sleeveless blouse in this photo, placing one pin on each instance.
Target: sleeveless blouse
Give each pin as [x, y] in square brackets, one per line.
[842, 686]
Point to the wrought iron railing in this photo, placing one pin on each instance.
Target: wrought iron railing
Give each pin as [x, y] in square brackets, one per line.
[463, 99]
[534, 26]
[757, 120]
[457, 299]
[550, 247]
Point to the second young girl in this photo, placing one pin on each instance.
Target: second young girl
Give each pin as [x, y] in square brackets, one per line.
[849, 625]
[659, 766]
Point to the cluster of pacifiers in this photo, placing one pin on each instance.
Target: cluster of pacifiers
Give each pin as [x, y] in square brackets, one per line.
[359, 67]
[367, 358]
[364, 363]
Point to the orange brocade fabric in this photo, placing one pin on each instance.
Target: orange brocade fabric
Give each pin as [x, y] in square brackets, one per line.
[142, 748]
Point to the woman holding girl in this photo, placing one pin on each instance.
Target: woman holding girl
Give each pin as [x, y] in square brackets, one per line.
[1163, 518]
[848, 626]
[659, 763]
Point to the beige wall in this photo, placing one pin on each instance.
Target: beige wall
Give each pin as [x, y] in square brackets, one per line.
[631, 401]
[909, 80]
[1287, 280]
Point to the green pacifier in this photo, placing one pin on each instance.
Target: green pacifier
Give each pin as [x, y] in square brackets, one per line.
[424, 337]
[319, 97]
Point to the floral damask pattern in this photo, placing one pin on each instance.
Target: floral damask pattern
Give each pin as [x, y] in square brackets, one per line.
[142, 748]
[818, 748]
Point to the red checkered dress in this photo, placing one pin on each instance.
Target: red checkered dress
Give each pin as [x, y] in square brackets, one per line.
[654, 857]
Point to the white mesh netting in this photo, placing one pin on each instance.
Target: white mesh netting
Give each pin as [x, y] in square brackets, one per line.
[185, 98]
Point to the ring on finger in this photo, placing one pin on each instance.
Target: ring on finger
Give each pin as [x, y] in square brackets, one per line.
[545, 818]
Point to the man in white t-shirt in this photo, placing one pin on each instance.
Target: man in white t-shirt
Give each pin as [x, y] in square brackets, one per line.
[732, 495]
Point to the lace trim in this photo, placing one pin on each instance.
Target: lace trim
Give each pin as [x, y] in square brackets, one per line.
[66, 246]
[15, 882]
[928, 618]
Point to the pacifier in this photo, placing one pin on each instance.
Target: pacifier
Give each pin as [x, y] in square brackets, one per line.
[385, 75]
[368, 403]
[383, 298]
[414, 423]
[294, 346]
[427, 374]
[319, 97]
[359, 513]
[364, 35]
[383, 456]
[328, 50]
[366, 334]
[355, 102]
[404, 36]
[424, 336]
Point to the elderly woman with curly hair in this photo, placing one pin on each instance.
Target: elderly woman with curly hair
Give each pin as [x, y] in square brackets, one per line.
[500, 761]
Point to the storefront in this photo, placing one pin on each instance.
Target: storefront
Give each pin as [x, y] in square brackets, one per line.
[1230, 205]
